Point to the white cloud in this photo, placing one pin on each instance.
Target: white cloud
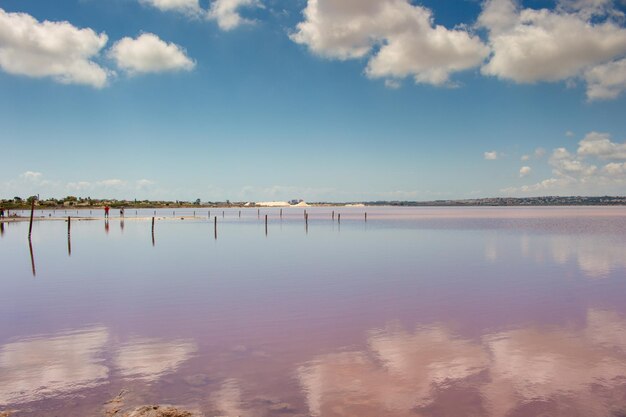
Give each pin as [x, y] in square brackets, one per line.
[580, 171]
[615, 169]
[600, 145]
[490, 156]
[393, 84]
[540, 152]
[525, 157]
[524, 171]
[606, 81]
[31, 175]
[399, 39]
[569, 134]
[191, 7]
[226, 12]
[148, 53]
[57, 50]
[539, 45]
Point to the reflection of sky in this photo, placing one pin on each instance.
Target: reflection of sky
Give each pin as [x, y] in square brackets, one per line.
[39, 367]
[509, 372]
[48, 366]
[148, 359]
[596, 258]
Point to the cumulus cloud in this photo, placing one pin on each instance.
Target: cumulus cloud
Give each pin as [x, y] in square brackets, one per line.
[491, 155]
[31, 175]
[191, 7]
[226, 12]
[600, 145]
[615, 169]
[531, 45]
[584, 170]
[606, 81]
[399, 39]
[524, 171]
[57, 50]
[149, 54]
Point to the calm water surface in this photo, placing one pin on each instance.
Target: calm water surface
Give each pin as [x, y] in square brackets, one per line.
[416, 312]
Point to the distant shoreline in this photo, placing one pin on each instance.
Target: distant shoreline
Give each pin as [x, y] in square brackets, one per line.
[73, 203]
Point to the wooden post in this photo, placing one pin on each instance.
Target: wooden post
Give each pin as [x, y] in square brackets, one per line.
[338, 217]
[240, 214]
[32, 257]
[30, 225]
[333, 215]
[266, 225]
[153, 225]
[69, 225]
[281, 213]
[366, 216]
[222, 214]
[215, 226]
[209, 214]
[258, 213]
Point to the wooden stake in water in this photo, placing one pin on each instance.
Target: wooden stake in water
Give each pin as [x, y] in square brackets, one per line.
[30, 225]
[69, 225]
[266, 225]
[338, 217]
[281, 213]
[240, 214]
[366, 216]
[258, 213]
[222, 214]
[215, 226]
[333, 216]
[32, 257]
[153, 225]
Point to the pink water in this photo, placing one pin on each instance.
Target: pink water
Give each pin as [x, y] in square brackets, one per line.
[416, 312]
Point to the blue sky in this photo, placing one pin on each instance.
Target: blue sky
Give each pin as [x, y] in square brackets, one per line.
[323, 100]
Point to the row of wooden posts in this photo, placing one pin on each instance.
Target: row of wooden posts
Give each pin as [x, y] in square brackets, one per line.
[69, 221]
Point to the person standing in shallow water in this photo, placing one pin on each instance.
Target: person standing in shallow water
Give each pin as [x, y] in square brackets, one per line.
[1, 212]
[106, 211]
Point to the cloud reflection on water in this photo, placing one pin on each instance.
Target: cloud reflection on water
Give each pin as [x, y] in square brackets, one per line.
[49, 366]
[526, 371]
[149, 359]
[596, 258]
[40, 367]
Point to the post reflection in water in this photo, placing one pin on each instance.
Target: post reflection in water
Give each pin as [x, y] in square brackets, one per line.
[106, 227]
[69, 244]
[2, 229]
[122, 225]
